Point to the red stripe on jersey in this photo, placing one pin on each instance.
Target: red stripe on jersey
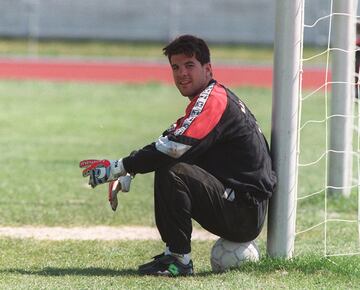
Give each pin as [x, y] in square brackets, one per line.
[210, 114]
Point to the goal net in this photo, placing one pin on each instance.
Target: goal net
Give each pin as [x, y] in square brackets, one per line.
[328, 166]
[315, 135]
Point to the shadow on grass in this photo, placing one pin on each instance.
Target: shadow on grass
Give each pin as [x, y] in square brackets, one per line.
[49, 271]
[341, 266]
[346, 266]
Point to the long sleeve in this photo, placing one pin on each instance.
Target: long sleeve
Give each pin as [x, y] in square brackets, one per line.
[188, 138]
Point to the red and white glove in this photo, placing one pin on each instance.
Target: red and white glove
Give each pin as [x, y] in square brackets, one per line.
[121, 184]
[101, 171]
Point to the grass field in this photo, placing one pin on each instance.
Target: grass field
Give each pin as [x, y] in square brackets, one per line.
[146, 51]
[27, 264]
[47, 128]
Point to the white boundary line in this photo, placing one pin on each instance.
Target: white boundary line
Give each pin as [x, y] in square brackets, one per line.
[106, 233]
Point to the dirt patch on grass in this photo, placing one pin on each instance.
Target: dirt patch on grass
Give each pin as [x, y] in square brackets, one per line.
[92, 233]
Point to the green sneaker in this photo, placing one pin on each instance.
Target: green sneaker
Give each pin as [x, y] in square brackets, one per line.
[166, 266]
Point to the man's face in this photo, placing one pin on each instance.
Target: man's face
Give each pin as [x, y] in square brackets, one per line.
[190, 76]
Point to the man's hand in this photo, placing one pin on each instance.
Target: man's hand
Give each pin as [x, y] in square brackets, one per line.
[101, 171]
[121, 184]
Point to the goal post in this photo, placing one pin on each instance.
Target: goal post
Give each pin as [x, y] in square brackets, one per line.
[285, 135]
[342, 96]
[284, 132]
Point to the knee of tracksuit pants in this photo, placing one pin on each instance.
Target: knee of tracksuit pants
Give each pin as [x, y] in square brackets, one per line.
[170, 187]
[168, 173]
[177, 168]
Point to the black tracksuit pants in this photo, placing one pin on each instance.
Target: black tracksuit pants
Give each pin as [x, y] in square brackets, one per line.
[185, 191]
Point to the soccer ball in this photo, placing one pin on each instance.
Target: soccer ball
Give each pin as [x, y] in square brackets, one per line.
[226, 255]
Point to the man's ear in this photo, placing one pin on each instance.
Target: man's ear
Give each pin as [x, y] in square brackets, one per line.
[209, 69]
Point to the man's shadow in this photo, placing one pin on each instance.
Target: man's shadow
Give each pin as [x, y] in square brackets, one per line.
[89, 271]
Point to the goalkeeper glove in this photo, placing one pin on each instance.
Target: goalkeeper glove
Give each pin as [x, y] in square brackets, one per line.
[121, 184]
[101, 171]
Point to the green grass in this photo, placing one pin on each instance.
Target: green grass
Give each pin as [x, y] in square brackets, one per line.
[149, 50]
[48, 127]
[28, 264]
[231, 53]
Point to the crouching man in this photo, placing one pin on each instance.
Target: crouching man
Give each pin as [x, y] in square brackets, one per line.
[212, 165]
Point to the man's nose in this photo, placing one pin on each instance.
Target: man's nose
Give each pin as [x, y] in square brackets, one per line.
[183, 71]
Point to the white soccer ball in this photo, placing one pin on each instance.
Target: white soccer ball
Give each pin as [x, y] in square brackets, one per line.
[226, 255]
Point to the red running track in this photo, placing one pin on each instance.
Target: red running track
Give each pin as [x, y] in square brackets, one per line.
[55, 70]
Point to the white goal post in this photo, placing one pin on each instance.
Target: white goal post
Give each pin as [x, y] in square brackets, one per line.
[342, 96]
[284, 135]
[285, 114]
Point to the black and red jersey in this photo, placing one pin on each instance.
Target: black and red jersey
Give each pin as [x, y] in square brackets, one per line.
[219, 134]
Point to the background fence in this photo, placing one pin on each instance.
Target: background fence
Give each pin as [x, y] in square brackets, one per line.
[229, 21]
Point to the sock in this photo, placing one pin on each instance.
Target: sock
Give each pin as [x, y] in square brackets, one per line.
[167, 251]
[183, 258]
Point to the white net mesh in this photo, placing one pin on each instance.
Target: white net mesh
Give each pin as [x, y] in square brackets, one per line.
[327, 222]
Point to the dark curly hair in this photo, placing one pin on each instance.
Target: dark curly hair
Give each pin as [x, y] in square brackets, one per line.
[189, 45]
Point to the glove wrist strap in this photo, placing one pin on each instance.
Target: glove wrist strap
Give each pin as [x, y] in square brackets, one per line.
[117, 169]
